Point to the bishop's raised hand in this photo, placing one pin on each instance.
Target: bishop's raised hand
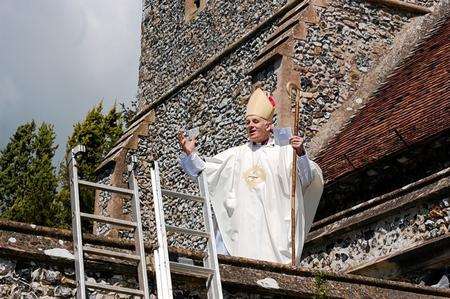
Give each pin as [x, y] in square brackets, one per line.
[187, 145]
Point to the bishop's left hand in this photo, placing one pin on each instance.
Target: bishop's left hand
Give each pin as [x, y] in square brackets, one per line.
[188, 146]
[297, 144]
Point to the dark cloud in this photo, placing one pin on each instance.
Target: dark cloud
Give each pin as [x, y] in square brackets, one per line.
[59, 58]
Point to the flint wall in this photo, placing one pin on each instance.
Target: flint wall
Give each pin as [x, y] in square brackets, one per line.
[345, 43]
[392, 234]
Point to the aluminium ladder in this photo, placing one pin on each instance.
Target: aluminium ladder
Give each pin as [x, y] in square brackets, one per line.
[80, 249]
[164, 267]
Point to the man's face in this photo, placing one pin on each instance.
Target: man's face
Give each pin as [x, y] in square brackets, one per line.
[258, 128]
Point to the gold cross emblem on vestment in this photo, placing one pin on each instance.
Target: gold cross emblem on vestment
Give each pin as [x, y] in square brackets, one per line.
[254, 176]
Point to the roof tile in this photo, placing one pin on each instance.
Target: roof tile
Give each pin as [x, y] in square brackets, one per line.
[412, 105]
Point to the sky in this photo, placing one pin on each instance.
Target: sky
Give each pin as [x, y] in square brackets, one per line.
[58, 58]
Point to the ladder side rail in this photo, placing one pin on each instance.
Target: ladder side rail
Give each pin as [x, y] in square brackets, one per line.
[138, 234]
[158, 276]
[162, 258]
[163, 255]
[164, 285]
[215, 289]
[76, 227]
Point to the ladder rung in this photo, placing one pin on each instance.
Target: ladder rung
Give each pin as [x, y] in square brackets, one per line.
[106, 187]
[107, 287]
[190, 270]
[108, 220]
[187, 231]
[183, 195]
[104, 252]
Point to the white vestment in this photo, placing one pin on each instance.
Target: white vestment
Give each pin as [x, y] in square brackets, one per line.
[254, 217]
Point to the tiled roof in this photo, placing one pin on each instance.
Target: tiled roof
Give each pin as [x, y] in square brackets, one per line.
[412, 105]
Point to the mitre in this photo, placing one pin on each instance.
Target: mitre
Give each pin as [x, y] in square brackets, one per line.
[260, 105]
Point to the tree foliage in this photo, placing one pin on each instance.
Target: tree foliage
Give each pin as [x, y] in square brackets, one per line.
[97, 132]
[28, 182]
[27, 177]
[129, 111]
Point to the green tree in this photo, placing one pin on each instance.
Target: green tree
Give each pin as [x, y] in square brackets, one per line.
[97, 132]
[14, 161]
[27, 177]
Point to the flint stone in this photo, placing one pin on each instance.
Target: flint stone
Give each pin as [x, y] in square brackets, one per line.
[6, 267]
[52, 277]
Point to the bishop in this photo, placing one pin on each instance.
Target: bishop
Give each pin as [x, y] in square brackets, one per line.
[250, 187]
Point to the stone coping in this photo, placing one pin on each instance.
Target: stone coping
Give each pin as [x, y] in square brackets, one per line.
[25, 242]
[381, 199]
[379, 207]
[428, 254]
